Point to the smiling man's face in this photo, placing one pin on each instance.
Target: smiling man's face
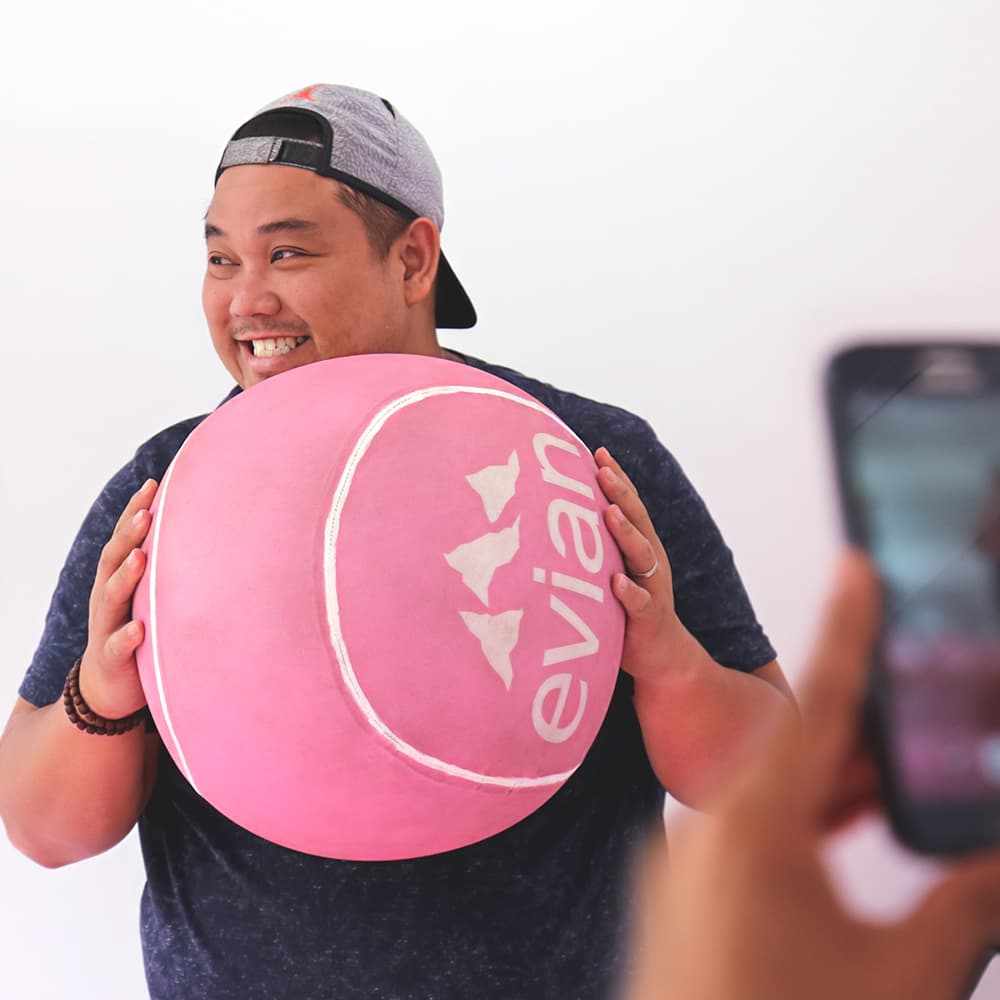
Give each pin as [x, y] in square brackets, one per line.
[291, 277]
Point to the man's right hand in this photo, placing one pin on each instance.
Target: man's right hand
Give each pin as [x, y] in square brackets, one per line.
[741, 907]
[109, 676]
[66, 794]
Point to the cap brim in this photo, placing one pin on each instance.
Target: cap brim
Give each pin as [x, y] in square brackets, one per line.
[453, 308]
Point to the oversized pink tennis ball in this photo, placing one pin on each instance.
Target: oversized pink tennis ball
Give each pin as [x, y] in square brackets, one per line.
[378, 612]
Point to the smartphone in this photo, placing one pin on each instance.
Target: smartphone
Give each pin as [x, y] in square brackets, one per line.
[916, 432]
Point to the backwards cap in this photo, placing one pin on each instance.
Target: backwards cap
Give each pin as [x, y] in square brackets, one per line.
[365, 144]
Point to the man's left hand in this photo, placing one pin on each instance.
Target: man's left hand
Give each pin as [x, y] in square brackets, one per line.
[645, 590]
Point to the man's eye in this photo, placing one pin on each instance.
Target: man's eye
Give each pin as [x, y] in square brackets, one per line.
[284, 254]
[217, 260]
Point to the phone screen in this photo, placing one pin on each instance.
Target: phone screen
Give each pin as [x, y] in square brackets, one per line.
[924, 471]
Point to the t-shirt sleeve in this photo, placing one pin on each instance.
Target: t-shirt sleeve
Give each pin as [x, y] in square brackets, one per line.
[709, 595]
[64, 636]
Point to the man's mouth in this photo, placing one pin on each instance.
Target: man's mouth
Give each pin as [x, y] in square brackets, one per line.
[271, 347]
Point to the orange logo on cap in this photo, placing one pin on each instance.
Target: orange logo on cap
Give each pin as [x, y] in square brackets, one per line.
[306, 94]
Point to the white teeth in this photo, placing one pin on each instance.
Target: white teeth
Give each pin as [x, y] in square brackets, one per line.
[271, 347]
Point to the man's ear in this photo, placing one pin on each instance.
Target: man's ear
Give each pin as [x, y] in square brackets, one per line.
[419, 248]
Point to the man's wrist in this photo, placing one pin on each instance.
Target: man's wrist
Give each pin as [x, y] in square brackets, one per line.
[86, 719]
[684, 664]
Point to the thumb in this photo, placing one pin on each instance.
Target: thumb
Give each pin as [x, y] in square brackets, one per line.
[834, 684]
[801, 764]
[943, 942]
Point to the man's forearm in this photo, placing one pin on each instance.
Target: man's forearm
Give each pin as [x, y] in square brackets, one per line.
[699, 718]
[66, 794]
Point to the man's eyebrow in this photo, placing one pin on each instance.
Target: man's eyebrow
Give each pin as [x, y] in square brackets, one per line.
[269, 228]
[286, 226]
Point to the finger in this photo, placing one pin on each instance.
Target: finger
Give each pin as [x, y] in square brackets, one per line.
[139, 500]
[113, 606]
[130, 530]
[839, 663]
[800, 763]
[639, 553]
[109, 678]
[619, 489]
[122, 644]
[858, 792]
[834, 682]
[945, 938]
[636, 600]
[604, 459]
[649, 900]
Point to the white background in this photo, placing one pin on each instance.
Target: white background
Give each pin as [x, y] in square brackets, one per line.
[677, 206]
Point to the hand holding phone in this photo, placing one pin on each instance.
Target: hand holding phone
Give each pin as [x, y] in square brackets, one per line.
[916, 431]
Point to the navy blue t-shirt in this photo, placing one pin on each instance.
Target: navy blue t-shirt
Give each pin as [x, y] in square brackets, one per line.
[538, 911]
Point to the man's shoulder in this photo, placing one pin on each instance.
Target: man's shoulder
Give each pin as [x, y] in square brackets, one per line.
[169, 439]
[595, 422]
[156, 453]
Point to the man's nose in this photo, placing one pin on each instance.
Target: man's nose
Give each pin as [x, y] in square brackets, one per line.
[253, 296]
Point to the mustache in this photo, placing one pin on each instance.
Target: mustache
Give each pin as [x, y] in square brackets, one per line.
[270, 327]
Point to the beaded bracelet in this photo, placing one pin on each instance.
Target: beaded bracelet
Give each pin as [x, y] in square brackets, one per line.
[83, 717]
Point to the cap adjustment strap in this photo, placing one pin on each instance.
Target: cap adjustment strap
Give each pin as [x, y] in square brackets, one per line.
[269, 149]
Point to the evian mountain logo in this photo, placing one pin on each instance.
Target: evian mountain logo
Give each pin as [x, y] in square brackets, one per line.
[477, 562]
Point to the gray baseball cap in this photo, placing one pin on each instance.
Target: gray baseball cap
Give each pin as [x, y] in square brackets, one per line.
[366, 144]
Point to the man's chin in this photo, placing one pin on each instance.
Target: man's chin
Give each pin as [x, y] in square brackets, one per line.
[256, 369]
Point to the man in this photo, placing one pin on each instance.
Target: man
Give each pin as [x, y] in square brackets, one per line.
[322, 240]
[747, 911]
